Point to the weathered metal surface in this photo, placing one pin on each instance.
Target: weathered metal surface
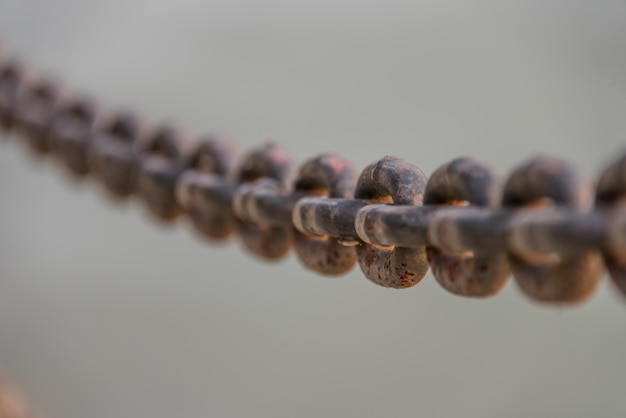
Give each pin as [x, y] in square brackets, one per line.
[403, 183]
[204, 191]
[265, 205]
[11, 78]
[207, 193]
[265, 202]
[35, 113]
[333, 217]
[270, 242]
[560, 277]
[471, 271]
[567, 232]
[113, 155]
[611, 203]
[162, 162]
[71, 133]
[207, 200]
[388, 225]
[332, 176]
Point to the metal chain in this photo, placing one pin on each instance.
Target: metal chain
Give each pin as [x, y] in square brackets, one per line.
[544, 225]
[12, 404]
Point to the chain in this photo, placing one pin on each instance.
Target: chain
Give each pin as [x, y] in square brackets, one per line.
[545, 224]
[12, 404]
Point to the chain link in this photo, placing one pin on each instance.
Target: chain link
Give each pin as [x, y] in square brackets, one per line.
[472, 229]
[12, 404]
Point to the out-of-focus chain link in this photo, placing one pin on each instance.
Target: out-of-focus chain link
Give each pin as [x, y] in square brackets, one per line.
[12, 404]
[545, 224]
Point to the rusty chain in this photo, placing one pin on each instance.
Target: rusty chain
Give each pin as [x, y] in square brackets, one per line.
[12, 404]
[545, 225]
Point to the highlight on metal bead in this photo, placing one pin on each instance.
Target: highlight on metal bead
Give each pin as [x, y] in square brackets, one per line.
[403, 183]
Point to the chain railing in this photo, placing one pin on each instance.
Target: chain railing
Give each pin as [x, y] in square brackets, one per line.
[545, 225]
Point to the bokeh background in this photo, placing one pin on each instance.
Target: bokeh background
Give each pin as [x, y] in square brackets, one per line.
[103, 313]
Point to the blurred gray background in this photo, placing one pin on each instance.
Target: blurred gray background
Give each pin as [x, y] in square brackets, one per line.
[105, 314]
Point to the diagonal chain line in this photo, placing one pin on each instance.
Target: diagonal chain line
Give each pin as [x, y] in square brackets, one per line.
[545, 224]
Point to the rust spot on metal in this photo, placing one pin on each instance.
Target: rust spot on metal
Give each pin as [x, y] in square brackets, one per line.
[392, 178]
